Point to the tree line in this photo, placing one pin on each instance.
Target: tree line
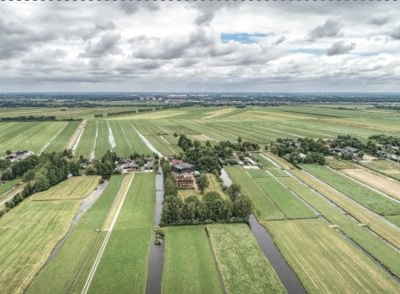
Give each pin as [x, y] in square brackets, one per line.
[30, 118]
[212, 207]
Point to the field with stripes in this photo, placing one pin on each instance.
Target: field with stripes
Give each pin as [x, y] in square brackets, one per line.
[335, 228]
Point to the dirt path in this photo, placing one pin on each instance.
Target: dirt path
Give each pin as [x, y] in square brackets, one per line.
[11, 193]
[74, 140]
[109, 226]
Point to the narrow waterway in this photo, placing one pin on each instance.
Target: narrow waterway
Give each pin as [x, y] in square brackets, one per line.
[267, 245]
[85, 205]
[156, 259]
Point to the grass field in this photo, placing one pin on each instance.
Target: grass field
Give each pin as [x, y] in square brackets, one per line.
[126, 256]
[60, 142]
[189, 265]
[29, 233]
[385, 167]
[326, 262]
[263, 207]
[87, 140]
[382, 183]
[371, 243]
[32, 136]
[365, 196]
[71, 189]
[363, 215]
[7, 186]
[242, 264]
[288, 203]
[102, 144]
[65, 273]
[213, 185]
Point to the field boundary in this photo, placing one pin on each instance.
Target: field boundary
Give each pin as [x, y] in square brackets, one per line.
[107, 237]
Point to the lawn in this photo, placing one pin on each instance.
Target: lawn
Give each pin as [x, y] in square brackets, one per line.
[189, 265]
[363, 195]
[263, 207]
[126, 256]
[71, 189]
[73, 261]
[242, 264]
[29, 233]
[326, 262]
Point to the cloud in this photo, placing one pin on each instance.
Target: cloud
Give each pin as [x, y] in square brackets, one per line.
[106, 45]
[395, 34]
[329, 29]
[131, 7]
[380, 20]
[340, 47]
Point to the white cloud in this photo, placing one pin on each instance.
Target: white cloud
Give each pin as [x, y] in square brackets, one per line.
[156, 46]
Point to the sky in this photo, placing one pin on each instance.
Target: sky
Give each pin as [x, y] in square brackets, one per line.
[226, 46]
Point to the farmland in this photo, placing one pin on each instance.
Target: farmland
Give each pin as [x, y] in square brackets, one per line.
[243, 266]
[336, 226]
[189, 265]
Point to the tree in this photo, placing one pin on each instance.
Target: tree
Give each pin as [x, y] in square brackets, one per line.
[41, 182]
[202, 183]
[29, 176]
[239, 140]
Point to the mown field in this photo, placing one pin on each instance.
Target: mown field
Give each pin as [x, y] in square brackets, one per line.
[34, 136]
[29, 233]
[386, 167]
[71, 189]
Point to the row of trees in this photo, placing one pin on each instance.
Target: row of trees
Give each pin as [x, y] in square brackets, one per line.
[212, 207]
[36, 118]
[49, 170]
[209, 158]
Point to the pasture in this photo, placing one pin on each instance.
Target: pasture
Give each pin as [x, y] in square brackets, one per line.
[213, 186]
[189, 265]
[242, 264]
[386, 167]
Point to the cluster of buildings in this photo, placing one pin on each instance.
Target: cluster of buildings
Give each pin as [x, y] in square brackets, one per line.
[349, 150]
[18, 155]
[127, 165]
[183, 174]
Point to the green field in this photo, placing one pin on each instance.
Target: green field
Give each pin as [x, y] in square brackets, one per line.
[189, 265]
[102, 143]
[73, 262]
[32, 136]
[213, 186]
[288, 203]
[263, 207]
[29, 233]
[367, 197]
[7, 186]
[242, 264]
[326, 262]
[71, 189]
[60, 142]
[87, 140]
[126, 256]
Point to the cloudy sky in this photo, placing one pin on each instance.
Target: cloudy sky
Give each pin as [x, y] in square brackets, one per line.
[200, 46]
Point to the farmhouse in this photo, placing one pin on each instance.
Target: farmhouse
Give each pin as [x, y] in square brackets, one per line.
[182, 167]
[184, 181]
[19, 155]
